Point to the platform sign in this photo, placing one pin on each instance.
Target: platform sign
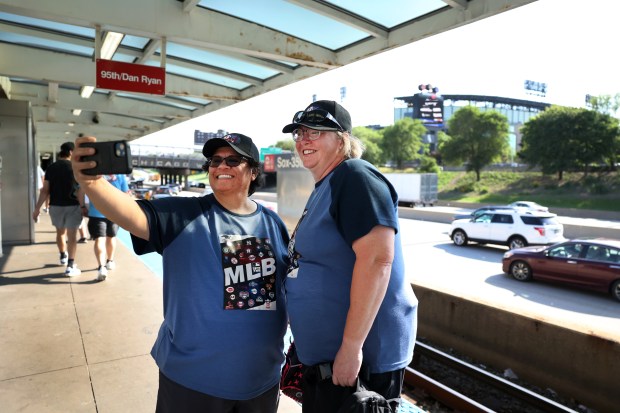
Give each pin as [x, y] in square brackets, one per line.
[131, 77]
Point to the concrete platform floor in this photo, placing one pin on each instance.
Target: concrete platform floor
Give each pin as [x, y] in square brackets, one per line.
[71, 345]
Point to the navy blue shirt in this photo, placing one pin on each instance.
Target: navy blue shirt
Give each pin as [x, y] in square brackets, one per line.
[224, 308]
[345, 206]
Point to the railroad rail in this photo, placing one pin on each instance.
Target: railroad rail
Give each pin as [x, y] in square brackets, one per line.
[456, 398]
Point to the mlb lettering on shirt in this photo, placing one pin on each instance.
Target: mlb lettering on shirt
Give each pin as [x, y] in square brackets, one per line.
[249, 275]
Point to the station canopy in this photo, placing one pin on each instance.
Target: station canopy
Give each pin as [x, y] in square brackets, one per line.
[212, 53]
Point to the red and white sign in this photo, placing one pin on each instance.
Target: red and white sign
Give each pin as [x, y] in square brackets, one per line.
[269, 164]
[130, 77]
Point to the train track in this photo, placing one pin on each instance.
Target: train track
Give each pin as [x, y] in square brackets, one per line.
[463, 387]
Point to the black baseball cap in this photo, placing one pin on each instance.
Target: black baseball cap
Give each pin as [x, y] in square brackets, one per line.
[241, 144]
[321, 115]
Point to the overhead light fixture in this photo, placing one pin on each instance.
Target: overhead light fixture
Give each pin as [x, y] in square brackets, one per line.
[111, 42]
[76, 112]
[86, 91]
[72, 124]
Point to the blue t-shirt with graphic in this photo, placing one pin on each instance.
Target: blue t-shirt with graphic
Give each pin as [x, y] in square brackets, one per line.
[344, 206]
[224, 307]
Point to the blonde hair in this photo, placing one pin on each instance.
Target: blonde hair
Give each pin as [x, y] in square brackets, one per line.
[352, 147]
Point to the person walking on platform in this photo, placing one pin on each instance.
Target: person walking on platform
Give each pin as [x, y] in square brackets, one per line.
[220, 347]
[61, 188]
[40, 179]
[102, 230]
[352, 311]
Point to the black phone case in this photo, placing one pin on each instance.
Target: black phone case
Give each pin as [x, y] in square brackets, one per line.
[112, 157]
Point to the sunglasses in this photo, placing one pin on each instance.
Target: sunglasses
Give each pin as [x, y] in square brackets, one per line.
[232, 160]
[314, 117]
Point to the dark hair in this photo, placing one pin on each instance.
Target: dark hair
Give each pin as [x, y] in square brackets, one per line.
[256, 169]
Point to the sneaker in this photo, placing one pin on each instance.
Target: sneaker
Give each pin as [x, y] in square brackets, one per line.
[110, 265]
[82, 240]
[63, 258]
[72, 271]
[102, 273]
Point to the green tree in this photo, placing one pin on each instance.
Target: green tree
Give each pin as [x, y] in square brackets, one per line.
[287, 145]
[605, 104]
[403, 140]
[561, 139]
[372, 140]
[428, 164]
[475, 138]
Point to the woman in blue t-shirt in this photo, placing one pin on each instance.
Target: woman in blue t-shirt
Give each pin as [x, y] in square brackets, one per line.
[220, 346]
[352, 311]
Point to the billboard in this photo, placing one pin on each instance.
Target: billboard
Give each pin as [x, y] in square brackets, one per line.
[428, 106]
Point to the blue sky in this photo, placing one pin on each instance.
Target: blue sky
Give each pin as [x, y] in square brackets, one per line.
[567, 44]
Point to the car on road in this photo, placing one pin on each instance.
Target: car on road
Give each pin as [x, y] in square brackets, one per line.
[163, 191]
[479, 211]
[514, 228]
[529, 206]
[176, 188]
[588, 263]
[195, 184]
[142, 193]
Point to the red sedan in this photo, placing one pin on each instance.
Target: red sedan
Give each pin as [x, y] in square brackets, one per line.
[588, 263]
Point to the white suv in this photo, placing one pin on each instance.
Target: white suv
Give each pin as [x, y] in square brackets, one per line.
[515, 229]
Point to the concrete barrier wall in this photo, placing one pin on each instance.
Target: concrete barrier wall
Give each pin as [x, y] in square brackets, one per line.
[575, 365]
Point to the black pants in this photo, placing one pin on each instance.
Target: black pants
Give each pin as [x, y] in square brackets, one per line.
[174, 398]
[322, 396]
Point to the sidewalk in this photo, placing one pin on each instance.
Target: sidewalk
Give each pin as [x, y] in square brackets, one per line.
[74, 344]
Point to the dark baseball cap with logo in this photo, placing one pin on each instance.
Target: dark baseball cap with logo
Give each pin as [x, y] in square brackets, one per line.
[241, 144]
[321, 115]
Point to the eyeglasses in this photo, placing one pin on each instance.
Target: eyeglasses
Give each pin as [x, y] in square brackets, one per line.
[232, 160]
[315, 116]
[298, 134]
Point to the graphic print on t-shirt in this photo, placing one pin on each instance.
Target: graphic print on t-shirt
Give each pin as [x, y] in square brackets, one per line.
[249, 272]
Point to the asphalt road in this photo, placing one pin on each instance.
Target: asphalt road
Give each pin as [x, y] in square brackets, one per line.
[475, 272]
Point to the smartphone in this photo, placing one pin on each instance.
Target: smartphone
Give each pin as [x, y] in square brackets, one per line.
[112, 157]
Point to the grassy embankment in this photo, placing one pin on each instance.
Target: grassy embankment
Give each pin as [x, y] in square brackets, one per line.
[595, 191]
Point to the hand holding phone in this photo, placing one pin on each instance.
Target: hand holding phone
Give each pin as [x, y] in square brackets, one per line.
[112, 157]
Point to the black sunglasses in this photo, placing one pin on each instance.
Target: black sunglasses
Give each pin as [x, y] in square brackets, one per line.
[232, 160]
[315, 116]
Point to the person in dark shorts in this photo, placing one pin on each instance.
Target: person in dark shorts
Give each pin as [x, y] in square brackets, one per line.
[60, 186]
[103, 231]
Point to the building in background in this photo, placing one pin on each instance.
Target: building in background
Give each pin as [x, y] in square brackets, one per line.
[201, 137]
[435, 111]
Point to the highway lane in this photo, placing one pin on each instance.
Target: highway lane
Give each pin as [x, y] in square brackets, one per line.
[475, 272]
